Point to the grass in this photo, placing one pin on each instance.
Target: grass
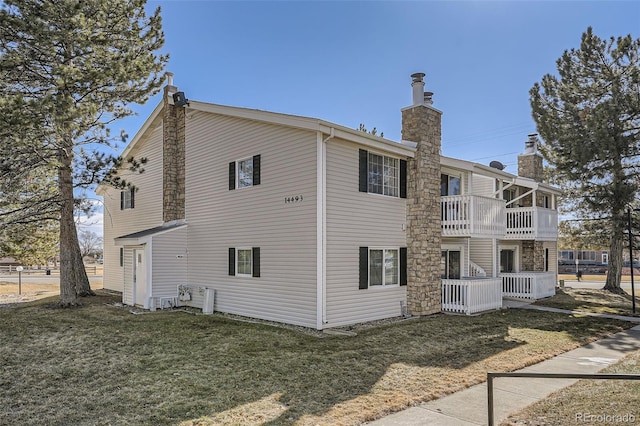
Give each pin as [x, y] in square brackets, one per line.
[100, 364]
[589, 300]
[617, 399]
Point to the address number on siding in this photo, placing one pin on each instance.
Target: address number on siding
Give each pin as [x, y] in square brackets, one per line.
[293, 199]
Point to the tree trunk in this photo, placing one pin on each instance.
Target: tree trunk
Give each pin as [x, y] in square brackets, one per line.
[616, 246]
[73, 277]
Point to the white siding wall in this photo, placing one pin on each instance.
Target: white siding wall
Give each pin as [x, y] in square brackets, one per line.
[356, 219]
[483, 185]
[482, 254]
[553, 255]
[146, 214]
[219, 218]
[169, 265]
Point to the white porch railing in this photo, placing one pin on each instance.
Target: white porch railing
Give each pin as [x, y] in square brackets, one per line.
[472, 215]
[476, 270]
[532, 223]
[471, 295]
[528, 285]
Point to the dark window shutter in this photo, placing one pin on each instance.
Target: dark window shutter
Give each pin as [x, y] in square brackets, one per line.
[133, 195]
[403, 178]
[364, 268]
[256, 170]
[121, 200]
[403, 266]
[364, 162]
[255, 257]
[121, 256]
[232, 175]
[232, 261]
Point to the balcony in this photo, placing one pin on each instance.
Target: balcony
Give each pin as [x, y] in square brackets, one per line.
[532, 223]
[472, 216]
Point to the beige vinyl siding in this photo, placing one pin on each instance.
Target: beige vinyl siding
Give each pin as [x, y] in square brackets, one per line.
[483, 185]
[169, 264]
[257, 216]
[147, 211]
[553, 255]
[481, 253]
[356, 219]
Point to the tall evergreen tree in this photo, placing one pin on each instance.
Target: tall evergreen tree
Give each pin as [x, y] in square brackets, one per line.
[68, 70]
[589, 117]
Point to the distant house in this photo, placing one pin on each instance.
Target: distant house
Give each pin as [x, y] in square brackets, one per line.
[307, 222]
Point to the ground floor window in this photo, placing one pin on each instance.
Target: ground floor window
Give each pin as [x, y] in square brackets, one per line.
[380, 267]
[244, 262]
[384, 267]
[450, 264]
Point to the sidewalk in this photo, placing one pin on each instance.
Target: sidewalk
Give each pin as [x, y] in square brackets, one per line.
[469, 407]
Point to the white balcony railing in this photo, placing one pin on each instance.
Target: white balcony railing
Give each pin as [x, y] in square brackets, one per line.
[471, 295]
[528, 285]
[532, 223]
[472, 216]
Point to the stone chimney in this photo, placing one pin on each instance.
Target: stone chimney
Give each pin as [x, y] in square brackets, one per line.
[421, 123]
[173, 152]
[530, 163]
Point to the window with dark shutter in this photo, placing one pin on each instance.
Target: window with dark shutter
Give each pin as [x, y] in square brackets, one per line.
[403, 266]
[232, 175]
[121, 256]
[364, 268]
[256, 261]
[133, 196]
[232, 261]
[256, 170]
[121, 202]
[363, 175]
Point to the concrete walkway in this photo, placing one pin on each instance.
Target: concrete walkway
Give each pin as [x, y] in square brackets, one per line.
[469, 407]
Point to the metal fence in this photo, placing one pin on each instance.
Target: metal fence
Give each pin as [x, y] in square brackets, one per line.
[43, 270]
[600, 376]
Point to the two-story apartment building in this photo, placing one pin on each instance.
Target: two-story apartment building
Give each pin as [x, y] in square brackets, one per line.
[307, 222]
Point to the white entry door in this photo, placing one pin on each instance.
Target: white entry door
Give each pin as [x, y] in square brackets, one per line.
[139, 277]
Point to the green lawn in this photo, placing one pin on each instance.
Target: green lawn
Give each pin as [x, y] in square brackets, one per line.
[101, 364]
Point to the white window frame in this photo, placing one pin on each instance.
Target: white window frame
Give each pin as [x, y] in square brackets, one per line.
[384, 284]
[127, 199]
[387, 190]
[238, 181]
[238, 250]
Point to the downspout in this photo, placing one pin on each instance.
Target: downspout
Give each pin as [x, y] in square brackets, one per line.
[321, 227]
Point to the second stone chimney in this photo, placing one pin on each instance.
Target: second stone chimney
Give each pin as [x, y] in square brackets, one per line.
[530, 163]
[173, 156]
[421, 124]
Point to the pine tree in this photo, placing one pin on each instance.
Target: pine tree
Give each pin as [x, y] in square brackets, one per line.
[68, 70]
[589, 117]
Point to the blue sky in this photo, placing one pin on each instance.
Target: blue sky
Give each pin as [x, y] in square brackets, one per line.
[349, 62]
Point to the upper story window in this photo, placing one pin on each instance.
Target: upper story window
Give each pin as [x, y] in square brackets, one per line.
[127, 199]
[383, 175]
[244, 173]
[450, 185]
[380, 174]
